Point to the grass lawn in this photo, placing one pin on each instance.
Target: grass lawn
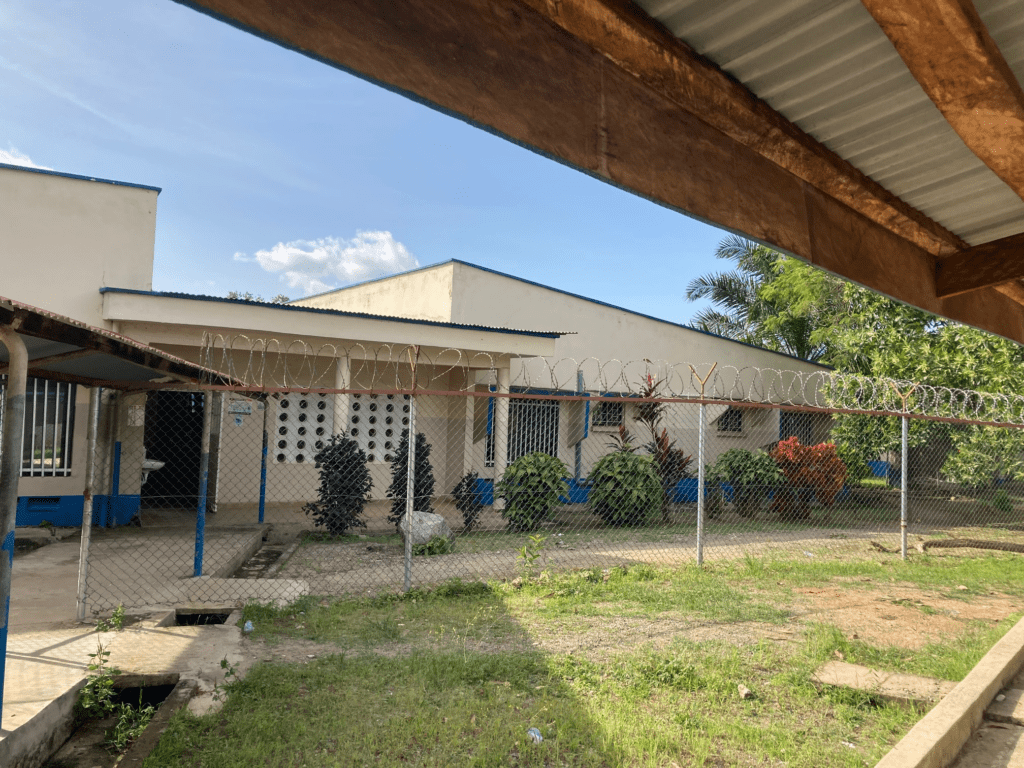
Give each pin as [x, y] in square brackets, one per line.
[621, 667]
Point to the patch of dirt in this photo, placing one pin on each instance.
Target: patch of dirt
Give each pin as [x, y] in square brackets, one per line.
[900, 615]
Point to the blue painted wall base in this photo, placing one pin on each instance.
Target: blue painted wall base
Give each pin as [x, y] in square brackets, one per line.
[66, 511]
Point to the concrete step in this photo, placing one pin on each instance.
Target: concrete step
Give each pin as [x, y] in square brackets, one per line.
[1009, 710]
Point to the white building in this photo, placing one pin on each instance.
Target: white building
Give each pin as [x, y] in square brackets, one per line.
[509, 334]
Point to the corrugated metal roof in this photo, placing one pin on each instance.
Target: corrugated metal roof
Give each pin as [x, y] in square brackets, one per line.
[829, 68]
[338, 312]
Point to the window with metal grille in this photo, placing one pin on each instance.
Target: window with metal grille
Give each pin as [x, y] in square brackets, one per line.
[49, 427]
[606, 414]
[731, 421]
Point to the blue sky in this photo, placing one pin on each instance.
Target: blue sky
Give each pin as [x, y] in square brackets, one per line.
[283, 175]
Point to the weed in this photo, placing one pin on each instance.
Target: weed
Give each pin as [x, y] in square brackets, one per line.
[220, 691]
[438, 545]
[530, 553]
[115, 622]
[131, 722]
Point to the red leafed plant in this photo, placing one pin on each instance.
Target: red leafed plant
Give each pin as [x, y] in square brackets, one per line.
[808, 468]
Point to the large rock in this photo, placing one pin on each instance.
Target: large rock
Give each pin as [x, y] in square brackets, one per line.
[426, 526]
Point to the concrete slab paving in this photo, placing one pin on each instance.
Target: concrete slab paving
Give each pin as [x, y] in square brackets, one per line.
[1008, 710]
[892, 686]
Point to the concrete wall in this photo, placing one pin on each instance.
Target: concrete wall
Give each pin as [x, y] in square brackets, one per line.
[424, 294]
[62, 239]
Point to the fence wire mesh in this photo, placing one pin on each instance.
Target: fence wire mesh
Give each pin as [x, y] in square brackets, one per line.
[522, 468]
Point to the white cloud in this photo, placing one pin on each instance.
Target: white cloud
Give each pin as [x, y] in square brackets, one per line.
[314, 266]
[13, 157]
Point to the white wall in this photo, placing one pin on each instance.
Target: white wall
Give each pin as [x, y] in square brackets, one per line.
[425, 294]
[63, 239]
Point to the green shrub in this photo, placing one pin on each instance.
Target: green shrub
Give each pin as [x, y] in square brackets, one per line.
[344, 486]
[469, 500]
[423, 482]
[439, 545]
[530, 487]
[1001, 501]
[752, 475]
[625, 489]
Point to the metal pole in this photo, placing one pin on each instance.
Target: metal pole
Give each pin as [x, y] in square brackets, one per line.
[903, 488]
[263, 463]
[204, 480]
[700, 484]
[10, 472]
[90, 486]
[578, 465]
[410, 488]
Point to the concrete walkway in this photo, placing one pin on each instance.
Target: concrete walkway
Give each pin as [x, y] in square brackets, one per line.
[49, 653]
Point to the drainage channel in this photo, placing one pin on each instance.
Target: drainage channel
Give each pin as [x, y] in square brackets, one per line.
[88, 746]
[257, 566]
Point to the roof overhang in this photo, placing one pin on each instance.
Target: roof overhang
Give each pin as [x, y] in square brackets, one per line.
[63, 349]
[178, 319]
[631, 93]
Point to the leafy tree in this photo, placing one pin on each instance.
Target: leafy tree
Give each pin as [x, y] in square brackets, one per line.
[249, 296]
[794, 307]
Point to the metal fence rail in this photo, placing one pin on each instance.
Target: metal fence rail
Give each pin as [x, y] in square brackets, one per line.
[202, 489]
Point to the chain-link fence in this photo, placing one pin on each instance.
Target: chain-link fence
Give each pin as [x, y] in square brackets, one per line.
[282, 486]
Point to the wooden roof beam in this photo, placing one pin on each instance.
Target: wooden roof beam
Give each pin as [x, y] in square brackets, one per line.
[602, 88]
[991, 264]
[948, 49]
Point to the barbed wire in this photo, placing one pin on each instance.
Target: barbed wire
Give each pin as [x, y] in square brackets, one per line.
[274, 364]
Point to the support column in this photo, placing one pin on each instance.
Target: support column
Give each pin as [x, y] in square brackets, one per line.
[501, 431]
[204, 479]
[342, 380]
[90, 488]
[701, 432]
[10, 473]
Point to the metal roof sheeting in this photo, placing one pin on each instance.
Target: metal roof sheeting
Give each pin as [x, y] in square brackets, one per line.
[828, 67]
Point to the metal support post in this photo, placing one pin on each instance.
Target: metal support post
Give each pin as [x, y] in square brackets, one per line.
[702, 428]
[578, 463]
[263, 461]
[204, 480]
[904, 442]
[410, 489]
[10, 472]
[95, 394]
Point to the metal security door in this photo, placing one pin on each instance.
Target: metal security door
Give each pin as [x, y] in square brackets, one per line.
[533, 426]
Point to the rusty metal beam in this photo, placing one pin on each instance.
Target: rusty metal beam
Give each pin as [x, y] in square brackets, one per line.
[611, 95]
[947, 48]
[984, 265]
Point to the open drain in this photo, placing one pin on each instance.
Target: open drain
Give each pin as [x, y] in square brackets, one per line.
[192, 617]
[257, 565]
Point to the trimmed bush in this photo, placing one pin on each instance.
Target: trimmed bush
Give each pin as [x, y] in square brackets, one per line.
[345, 485]
[423, 482]
[469, 500]
[530, 487]
[625, 489]
[752, 475]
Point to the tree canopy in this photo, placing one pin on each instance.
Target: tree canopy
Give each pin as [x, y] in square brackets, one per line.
[784, 304]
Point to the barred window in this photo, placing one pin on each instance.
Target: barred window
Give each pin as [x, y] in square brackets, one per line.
[606, 414]
[731, 421]
[49, 427]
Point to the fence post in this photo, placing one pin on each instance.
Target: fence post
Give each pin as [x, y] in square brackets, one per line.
[90, 487]
[904, 442]
[700, 483]
[263, 461]
[10, 472]
[204, 479]
[410, 471]
[701, 429]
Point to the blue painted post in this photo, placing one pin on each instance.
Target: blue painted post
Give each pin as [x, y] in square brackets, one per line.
[10, 472]
[578, 468]
[263, 464]
[204, 481]
[115, 481]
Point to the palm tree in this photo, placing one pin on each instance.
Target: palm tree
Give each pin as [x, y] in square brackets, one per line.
[736, 292]
[740, 309]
